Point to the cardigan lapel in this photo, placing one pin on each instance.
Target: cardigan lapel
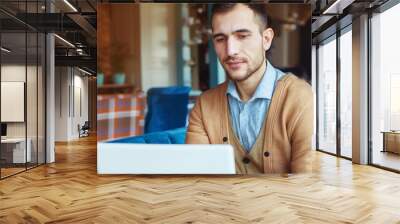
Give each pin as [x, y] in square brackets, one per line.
[222, 119]
[222, 111]
[271, 118]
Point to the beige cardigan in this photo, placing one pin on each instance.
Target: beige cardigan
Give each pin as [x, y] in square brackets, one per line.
[289, 124]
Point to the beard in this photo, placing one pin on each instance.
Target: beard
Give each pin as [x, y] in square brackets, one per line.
[250, 70]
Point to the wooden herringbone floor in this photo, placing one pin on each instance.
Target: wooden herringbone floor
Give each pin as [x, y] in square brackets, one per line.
[70, 191]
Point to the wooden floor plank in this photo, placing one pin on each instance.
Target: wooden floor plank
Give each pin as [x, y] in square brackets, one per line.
[70, 191]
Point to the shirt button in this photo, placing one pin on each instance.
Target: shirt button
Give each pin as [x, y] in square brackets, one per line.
[246, 160]
[266, 153]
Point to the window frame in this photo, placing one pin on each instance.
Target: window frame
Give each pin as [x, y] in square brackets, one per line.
[334, 37]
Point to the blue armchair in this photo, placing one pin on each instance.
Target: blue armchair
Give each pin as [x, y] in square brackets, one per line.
[167, 108]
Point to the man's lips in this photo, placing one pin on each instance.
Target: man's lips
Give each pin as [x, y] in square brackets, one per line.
[234, 64]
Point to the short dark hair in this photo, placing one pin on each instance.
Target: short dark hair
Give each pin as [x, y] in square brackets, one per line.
[258, 9]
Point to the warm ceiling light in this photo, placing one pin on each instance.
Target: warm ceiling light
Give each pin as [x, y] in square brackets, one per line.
[70, 5]
[84, 71]
[5, 50]
[65, 41]
[337, 7]
[79, 51]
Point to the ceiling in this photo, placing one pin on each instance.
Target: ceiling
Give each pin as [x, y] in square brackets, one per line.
[76, 22]
[72, 20]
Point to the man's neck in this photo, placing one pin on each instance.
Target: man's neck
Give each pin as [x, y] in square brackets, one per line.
[246, 88]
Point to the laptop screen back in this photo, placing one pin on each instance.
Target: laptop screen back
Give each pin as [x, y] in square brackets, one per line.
[123, 158]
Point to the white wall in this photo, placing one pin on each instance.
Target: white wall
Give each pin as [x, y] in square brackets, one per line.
[158, 45]
[12, 73]
[71, 87]
[79, 117]
[61, 103]
[33, 126]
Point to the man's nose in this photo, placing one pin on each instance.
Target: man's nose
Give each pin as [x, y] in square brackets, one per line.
[232, 47]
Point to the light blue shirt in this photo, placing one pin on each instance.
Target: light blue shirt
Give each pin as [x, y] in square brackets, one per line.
[248, 117]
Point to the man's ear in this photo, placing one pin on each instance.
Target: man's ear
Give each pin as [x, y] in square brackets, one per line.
[267, 35]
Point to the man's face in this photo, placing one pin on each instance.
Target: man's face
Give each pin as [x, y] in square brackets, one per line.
[239, 42]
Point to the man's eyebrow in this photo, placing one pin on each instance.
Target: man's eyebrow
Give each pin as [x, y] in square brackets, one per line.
[242, 31]
[236, 31]
[218, 35]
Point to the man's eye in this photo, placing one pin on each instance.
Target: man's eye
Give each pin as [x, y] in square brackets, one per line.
[243, 36]
[218, 40]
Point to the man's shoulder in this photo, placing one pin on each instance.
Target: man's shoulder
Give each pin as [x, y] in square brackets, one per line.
[295, 86]
[213, 94]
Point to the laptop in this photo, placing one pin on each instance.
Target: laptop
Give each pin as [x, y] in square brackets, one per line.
[125, 158]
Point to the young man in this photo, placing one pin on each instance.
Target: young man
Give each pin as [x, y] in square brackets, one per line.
[265, 114]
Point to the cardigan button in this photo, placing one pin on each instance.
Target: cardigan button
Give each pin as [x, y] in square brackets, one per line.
[246, 160]
[266, 153]
[225, 139]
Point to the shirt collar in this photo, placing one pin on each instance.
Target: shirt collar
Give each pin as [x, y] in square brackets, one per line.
[264, 89]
